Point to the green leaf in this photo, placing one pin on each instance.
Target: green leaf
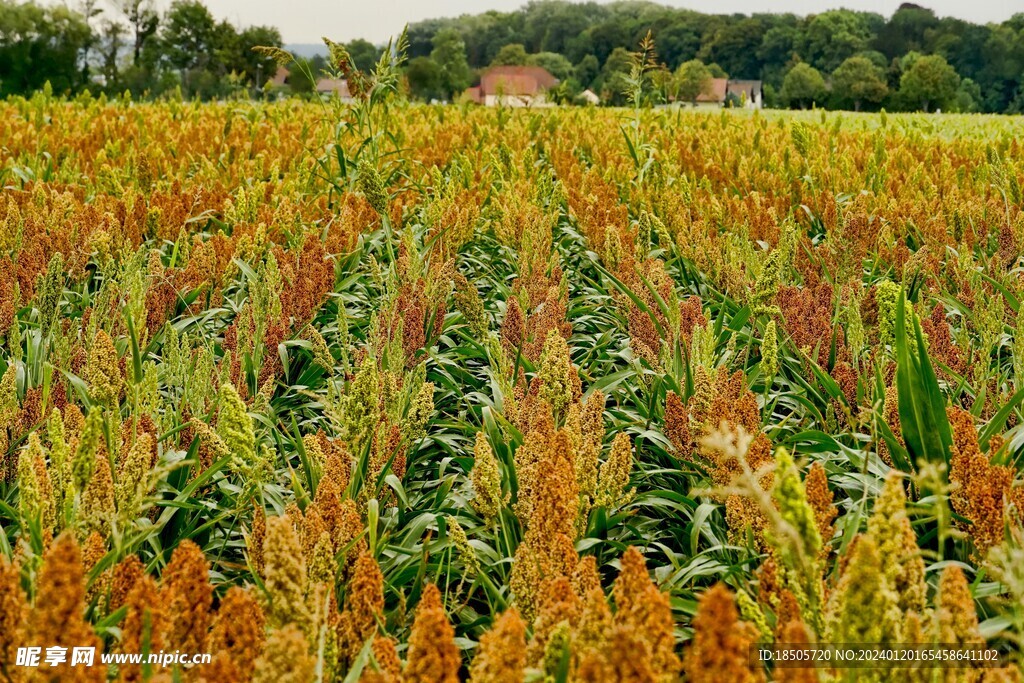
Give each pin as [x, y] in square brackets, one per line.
[922, 406]
[998, 421]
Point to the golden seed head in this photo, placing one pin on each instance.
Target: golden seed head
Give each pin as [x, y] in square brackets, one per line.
[238, 630]
[186, 591]
[955, 612]
[721, 642]
[501, 657]
[433, 656]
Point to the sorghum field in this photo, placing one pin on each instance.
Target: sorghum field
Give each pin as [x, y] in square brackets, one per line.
[381, 392]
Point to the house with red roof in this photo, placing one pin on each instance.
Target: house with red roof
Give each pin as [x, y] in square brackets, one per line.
[513, 86]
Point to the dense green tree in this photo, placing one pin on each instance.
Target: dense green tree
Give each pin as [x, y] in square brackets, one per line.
[364, 54]
[226, 49]
[557, 65]
[1001, 69]
[257, 67]
[1017, 103]
[40, 44]
[803, 86]
[513, 54]
[962, 44]
[425, 78]
[603, 39]
[968, 97]
[143, 21]
[612, 81]
[187, 35]
[692, 79]
[858, 80]
[449, 54]
[717, 71]
[485, 35]
[302, 76]
[587, 71]
[679, 40]
[776, 52]
[876, 58]
[132, 46]
[830, 37]
[911, 28]
[928, 82]
[551, 26]
[421, 35]
[735, 47]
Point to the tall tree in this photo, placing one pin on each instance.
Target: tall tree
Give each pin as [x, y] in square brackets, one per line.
[513, 54]
[143, 20]
[557, 65]
[302, 74]
[258, 68]
[858, 80]
[735, 48]
[680, 38]
[40, 44]
[587, 70]
[803, 86]
[188, 34]
[911, 27]
[830, 37]
[425, 78]
[614, 75]
[364, 53]
[929, 82]
[449, 54]
[692, 79]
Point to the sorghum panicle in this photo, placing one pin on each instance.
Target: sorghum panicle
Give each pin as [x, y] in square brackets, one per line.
[896, 541]
[488, 498]
[285, 658]
[721, 643]
[284, 571]
[863, 607]
[501, 657]
[13, 616]
[433, 656]
[58, 616]
[186, 591]
[645, 611]
[238, 631]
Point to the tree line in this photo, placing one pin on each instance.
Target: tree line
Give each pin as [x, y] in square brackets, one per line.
[912, 60]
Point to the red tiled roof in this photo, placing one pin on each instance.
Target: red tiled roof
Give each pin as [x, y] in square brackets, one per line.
[516, 80]
[717, 91]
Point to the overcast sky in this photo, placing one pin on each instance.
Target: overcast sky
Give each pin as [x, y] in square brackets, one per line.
[305, 21]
